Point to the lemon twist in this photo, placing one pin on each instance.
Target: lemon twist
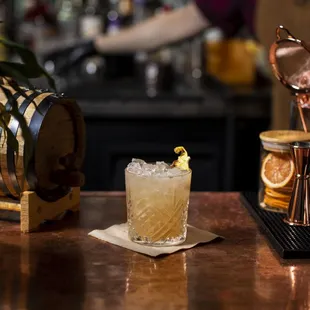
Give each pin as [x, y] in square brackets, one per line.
[183, 159]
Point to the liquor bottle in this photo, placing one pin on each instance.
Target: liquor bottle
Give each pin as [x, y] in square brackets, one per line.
[3, 52]
[159, 72]
[120, 65]
[139, 11]
[39, 24]
[139, 14]
[91, 22]
[68, 17]
[125, 9]
[39, 9]
[165, 53]
[113, 22]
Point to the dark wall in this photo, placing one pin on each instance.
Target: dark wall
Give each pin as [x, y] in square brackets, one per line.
[111, 144]
[224, 153]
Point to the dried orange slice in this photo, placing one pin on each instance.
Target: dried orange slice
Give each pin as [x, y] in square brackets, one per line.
[277, 195]
[273, 194]
[272, 202]
[277, 170]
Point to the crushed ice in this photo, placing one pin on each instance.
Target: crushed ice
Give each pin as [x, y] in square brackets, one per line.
[159, 169]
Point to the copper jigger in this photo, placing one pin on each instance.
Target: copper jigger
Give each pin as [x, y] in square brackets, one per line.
[299, 206]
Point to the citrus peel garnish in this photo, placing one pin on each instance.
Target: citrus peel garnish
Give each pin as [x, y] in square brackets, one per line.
[183, 159]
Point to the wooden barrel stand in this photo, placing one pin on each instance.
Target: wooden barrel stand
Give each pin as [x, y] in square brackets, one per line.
[34, 211]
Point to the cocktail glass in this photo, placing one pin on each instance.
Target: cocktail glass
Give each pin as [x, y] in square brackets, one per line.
[157, 197]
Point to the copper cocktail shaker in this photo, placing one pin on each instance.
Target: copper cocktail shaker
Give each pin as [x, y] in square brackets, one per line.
[290, 62]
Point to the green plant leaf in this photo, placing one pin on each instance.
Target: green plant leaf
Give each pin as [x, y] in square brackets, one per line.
[2, 125]
[4, 115]
[11, 139]
[23, 92]
[7, 70]
[25, 70]
[29, 59]
[10, 102]
[28, 145]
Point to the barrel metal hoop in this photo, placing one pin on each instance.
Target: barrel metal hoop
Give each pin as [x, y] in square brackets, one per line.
[14, 126]
[8, 104]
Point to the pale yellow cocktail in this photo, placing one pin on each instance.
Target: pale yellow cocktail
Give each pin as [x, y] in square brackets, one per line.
[157, 203]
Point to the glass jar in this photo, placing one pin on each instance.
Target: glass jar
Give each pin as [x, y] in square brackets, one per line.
[277, 170]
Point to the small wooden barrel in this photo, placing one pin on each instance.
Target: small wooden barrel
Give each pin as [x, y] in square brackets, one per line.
[58, 131]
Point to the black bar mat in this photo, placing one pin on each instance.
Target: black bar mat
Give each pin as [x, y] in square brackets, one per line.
[288, 241]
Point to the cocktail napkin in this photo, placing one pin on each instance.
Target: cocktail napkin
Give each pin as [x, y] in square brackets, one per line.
[118, 235]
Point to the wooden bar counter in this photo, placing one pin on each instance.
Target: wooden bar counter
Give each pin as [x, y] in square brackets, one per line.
[61, 267]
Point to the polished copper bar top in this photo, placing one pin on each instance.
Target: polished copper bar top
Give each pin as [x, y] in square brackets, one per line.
[61, 267]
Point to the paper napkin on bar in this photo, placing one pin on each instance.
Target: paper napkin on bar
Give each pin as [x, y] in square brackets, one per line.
[118, 235]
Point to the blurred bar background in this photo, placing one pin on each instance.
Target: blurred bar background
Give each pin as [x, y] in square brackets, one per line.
[208, 93]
